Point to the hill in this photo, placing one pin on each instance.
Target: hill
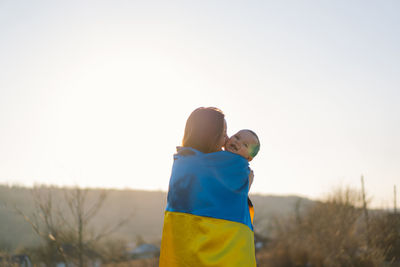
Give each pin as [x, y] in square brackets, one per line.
[145, 209]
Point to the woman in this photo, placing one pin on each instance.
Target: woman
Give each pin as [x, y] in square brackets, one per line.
[207, 220]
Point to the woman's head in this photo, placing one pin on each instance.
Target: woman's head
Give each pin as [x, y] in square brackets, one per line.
[205, 130]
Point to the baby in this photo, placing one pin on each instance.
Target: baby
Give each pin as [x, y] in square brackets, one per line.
[246, 144]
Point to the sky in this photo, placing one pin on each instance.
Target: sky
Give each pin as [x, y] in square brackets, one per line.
[97, 93]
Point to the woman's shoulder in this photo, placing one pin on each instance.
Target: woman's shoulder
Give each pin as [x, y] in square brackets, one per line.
[214, 158]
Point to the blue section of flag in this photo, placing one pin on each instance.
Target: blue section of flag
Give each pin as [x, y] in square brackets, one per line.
[210, 184]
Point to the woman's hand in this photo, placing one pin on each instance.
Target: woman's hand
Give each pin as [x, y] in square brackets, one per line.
[251, 178]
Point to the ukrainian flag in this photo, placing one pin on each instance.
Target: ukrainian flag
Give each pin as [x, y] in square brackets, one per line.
[207, 221]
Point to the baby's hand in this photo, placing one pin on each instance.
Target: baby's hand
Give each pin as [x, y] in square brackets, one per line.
[251, 178]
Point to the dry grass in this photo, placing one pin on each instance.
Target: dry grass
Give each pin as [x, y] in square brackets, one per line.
[333, 233]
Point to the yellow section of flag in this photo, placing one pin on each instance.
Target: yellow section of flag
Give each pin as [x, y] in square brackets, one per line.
[195, 241]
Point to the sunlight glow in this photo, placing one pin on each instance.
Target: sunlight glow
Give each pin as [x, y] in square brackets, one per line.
[98, 95]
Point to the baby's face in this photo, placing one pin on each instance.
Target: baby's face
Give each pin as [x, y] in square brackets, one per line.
[242, 143]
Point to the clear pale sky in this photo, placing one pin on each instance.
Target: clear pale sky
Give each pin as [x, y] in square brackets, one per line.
[96, 93]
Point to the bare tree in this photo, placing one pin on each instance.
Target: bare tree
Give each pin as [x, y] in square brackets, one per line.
[68, 229]
[46, 225]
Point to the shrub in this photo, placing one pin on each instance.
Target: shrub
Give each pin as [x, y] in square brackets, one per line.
[330, 234]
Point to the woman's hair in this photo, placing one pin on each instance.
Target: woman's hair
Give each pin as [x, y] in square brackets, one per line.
[203, 129]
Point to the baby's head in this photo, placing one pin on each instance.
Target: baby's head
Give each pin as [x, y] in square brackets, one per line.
[244, 143]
